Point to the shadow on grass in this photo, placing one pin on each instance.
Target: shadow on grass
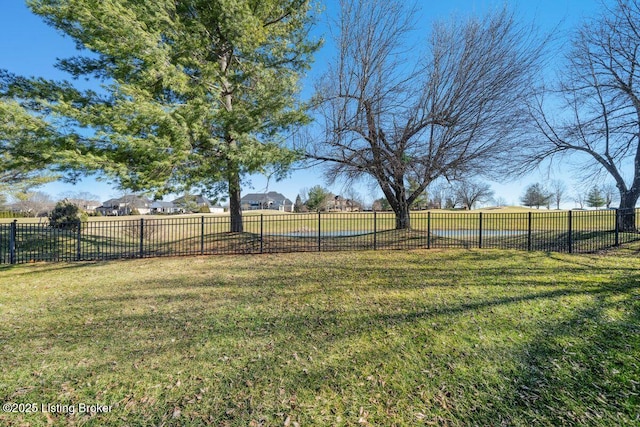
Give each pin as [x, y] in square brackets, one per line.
[583, 370]
[255, 328]
[43, 267]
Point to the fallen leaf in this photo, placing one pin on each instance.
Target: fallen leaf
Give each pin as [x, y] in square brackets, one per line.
[176, 412]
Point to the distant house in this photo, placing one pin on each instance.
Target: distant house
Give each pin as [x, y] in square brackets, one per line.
[184, 204]
[340, 204]
[216, 209]
[160, 207]
[270, 201]
[125, 206]
[88, 206]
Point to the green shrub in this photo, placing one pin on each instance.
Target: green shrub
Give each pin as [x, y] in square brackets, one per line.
[67, 216]
[204, 209]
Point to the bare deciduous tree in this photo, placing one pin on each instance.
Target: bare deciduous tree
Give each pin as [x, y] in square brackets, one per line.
[469, 192]
[83, 199]
[600, 95]
[610, 194]
[394, 114]
[34, 203]
[438, 192]
[500, 201]
[354, 197]
[579, 198]
[558, 189]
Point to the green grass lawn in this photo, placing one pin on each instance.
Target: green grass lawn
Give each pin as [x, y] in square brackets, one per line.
[459, 337]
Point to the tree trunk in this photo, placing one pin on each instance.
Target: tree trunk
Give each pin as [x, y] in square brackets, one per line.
[233, 174]
[397, 198]
[403, 219]
[627, 210]
[235, 209]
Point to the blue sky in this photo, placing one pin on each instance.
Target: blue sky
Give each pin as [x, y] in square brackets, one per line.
[29, 47]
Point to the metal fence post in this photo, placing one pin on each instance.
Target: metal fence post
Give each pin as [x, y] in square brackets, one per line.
[319, 238]
[570, 232]
[261, 233]
[79, 242]
[141, 237]
[428, 229]
[617, 230]
[480, 230]
[12, 241]
[529, 244]
[202, 235]
[375, 230]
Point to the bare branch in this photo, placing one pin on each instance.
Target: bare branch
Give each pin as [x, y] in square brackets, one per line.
[599, 95]
[394, 114]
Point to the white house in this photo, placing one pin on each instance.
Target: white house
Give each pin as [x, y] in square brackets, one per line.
[160, 207]
[271, 200]
[126, 205]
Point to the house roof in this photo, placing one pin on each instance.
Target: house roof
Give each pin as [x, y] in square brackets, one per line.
[161, 204]
[340, 199]
[132, 200]
[109, 203]
[271, 196]
[200, 200]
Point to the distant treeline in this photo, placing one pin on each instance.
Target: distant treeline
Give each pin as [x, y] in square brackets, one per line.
[10, 214]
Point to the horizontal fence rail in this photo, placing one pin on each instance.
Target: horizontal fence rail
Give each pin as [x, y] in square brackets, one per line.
[562, 231]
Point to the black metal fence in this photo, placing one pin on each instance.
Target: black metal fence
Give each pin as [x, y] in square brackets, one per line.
[561, 231]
